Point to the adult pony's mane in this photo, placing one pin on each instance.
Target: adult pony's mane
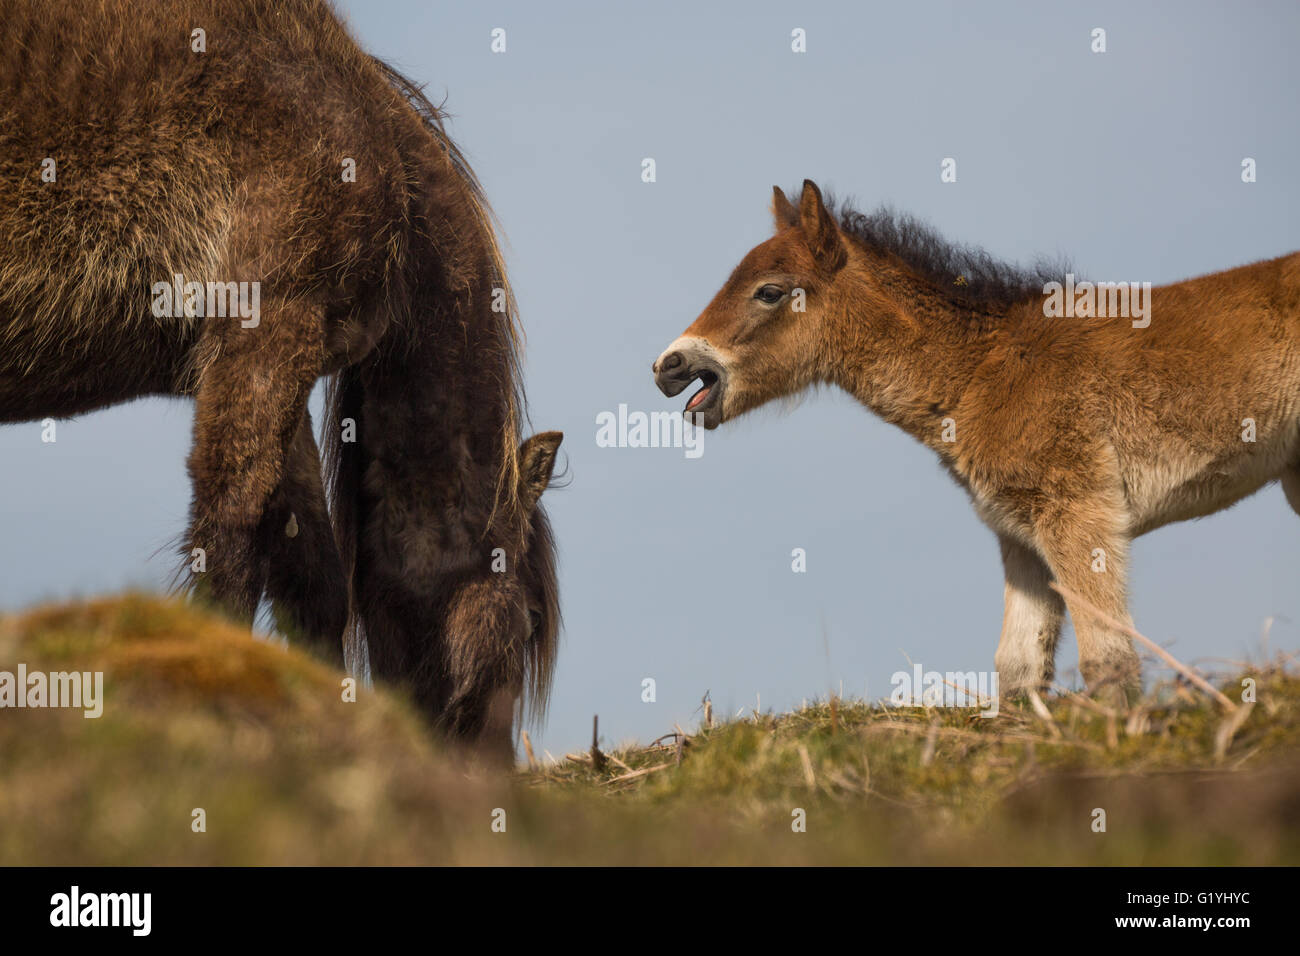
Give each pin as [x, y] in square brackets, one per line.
[963, 273]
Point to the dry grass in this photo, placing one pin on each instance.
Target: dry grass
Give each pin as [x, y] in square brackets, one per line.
[199, 715]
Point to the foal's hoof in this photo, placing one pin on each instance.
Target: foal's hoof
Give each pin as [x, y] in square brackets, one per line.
[1116, 693]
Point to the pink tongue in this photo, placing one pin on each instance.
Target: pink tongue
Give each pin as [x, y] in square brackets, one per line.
[698, 397]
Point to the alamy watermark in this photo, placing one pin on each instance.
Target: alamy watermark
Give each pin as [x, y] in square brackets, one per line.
[133, 911]
[82, 690]
[180, 299]
[922, 688]
[1098, 300]
[624, 429]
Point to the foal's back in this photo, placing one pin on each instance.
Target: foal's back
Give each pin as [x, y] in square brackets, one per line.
[1201, 406]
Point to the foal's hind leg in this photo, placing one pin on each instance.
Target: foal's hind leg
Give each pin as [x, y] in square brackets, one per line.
[1031, 621]
[251, 394]
[303, 569]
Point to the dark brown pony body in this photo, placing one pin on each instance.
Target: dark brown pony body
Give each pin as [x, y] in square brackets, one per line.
[231, 164]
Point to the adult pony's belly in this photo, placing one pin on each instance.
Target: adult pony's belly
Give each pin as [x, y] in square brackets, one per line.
[69, 371]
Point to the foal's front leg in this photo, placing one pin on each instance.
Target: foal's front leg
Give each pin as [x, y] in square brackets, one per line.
[251, 395]
[1031, 621]
[1088, 555]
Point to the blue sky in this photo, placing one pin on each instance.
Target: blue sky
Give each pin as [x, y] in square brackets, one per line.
[678, 569]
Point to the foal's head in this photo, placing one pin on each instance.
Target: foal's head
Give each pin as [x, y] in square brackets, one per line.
[765, 334]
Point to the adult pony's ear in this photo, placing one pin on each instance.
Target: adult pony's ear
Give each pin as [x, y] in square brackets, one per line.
[784, 213]
[819, 226]
[536, 463]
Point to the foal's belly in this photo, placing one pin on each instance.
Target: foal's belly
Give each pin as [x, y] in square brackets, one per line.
[1203, 493]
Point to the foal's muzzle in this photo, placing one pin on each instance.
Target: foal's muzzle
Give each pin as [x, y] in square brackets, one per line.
[681, 364]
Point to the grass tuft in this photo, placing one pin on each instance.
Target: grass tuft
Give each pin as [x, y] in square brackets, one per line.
[199, 715]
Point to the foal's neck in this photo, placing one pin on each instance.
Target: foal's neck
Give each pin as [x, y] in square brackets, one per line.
[904, 348]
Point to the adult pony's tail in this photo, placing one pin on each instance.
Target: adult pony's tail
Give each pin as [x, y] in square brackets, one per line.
[421, 496]
[343, 466]
[488, 229]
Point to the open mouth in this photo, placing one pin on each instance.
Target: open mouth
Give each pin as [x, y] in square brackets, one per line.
[677, 372]
[708, 380]
[705, 406]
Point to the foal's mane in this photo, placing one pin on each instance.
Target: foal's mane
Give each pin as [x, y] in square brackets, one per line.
[967, 275]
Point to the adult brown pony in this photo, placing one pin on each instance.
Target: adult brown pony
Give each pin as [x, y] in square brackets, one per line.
[252, 141]
[1071, 435]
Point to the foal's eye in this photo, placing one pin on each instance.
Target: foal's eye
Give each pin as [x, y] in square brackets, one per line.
[770, 294]
[534, 622]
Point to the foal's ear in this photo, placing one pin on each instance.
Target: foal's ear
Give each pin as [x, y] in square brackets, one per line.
[784, 213]
[536, 462]
[819, 226]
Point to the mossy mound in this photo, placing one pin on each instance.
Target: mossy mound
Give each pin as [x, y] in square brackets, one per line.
[198, 715]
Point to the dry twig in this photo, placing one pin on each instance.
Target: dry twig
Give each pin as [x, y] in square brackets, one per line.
[1151, 645]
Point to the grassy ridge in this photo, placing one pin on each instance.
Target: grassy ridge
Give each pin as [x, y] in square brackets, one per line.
[197, 715]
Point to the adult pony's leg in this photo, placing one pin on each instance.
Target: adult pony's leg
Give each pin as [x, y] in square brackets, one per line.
[251, 397]
[303, 569]
[1031, 621]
